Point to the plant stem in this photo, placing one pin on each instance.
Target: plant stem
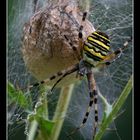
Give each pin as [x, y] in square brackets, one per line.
[32, 132]
[61, 110]
[116, 107]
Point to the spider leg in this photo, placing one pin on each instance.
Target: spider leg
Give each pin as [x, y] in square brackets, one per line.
[62, 73]
[113, 56]
[80, 38]
[73, 47]
[80, 35]
[125, 45]
[35, 2]
[93, 99]
[69, 71]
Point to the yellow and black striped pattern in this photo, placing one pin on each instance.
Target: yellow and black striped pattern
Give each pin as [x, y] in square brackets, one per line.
[96, 47]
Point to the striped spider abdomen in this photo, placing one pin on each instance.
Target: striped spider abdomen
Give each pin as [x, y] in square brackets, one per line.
[96, 48]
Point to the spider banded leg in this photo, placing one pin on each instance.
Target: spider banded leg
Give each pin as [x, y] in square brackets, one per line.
[35, 2]
[93, 99]
[80, 35]
[73, 47]
[62, 73]
[116, 54]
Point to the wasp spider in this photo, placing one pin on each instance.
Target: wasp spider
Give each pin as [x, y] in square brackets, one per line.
[95, 53]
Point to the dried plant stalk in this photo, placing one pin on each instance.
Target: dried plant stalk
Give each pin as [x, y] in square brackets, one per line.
[45, 49]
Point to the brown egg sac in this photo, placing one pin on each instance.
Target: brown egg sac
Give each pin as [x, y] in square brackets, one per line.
[47, 37]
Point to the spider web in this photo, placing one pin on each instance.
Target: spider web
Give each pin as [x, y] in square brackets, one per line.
[109, 16]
